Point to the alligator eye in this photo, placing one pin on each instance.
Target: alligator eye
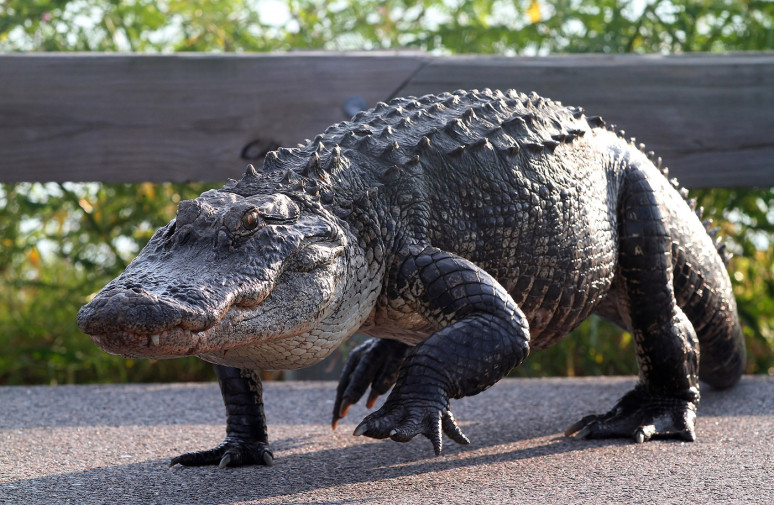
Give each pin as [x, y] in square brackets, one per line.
[251, 220]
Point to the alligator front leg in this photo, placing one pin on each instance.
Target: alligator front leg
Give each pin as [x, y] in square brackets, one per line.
[247, 440]
[481, 336]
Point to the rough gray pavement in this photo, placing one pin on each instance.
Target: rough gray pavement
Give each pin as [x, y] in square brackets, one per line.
[112, 444]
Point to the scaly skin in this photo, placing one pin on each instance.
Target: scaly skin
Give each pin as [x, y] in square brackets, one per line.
[457, 230]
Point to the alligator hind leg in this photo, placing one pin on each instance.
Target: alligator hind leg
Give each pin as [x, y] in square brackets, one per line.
[664, 402]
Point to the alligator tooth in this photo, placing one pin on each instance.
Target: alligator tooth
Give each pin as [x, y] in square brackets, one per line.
[96, 339]
[155, 339]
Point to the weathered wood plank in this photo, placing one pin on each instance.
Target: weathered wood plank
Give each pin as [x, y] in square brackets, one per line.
[178, 117]
[189, 117]
[710, 117]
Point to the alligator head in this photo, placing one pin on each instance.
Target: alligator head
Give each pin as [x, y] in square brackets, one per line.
[243, 276]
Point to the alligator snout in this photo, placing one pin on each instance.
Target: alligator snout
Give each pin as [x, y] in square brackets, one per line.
[127, 311]
[137, 323]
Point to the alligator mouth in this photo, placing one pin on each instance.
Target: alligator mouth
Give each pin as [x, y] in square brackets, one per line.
[176, 341]
[171, 343]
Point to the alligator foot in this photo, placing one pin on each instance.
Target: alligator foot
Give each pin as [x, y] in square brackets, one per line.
[230, 453]
[640, 416]
[401, 421]
[376, 362]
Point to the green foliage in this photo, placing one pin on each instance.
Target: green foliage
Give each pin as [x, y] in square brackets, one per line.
[448, 26]
[61, 243]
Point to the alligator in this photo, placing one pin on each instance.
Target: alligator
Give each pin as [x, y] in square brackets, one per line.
[458, 231]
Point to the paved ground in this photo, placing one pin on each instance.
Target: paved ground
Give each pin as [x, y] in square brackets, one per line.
[111, 444]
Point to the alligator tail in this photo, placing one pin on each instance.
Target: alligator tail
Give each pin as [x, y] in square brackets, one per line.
[705, 296]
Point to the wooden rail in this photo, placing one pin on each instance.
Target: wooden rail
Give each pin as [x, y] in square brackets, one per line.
[201, 117]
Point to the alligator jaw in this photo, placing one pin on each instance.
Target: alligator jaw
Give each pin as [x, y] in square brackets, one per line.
[171, 343]
[228, 342]
[176, 341]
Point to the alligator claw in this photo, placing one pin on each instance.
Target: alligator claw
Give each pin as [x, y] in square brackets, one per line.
[372, 399]
[572, 429]
[225, 461]
[582, 433]
[643, 434]
[640, 416]
[342, 412]
[360, 429]
[376, 362]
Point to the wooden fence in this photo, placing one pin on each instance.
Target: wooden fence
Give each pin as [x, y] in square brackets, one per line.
[201, 117]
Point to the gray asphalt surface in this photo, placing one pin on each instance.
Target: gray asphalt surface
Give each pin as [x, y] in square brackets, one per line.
[112, 444]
